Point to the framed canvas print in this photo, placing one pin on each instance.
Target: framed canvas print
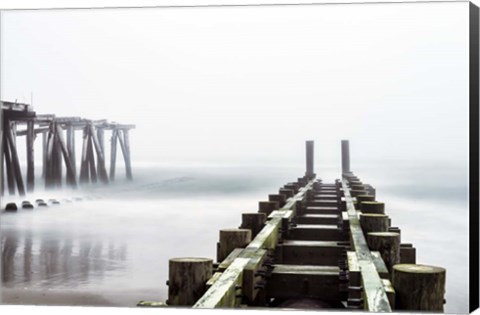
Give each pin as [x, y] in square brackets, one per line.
[249, 155]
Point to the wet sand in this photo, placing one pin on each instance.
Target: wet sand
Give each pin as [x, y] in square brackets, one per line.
[16, 296]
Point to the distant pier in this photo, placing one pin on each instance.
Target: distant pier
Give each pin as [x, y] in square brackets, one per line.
[311, 245]
[58, 149]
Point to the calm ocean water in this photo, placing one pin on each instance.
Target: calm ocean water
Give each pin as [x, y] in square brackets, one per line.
[116, 242]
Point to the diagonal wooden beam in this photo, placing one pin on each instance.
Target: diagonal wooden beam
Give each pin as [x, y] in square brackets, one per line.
[66, 157]
[16, 163]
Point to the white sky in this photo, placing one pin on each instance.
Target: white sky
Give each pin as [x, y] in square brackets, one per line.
[253, 83]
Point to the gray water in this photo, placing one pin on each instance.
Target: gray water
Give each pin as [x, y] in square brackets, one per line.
[112, 248]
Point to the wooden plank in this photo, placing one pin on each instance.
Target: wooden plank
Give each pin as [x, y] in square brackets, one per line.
[229, 259]
[300, 281]
[315, 232]
[322, 253]
[376, 299]
[223, 293]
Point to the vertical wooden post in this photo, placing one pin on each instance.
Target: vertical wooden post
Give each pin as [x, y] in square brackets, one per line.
[44, 154]
[309, 159]
[372, 207]
[253, 221]
[30, 156]
[58, 156]
[388, 244]
[231, 239]
[345, 157]
[125, 153]
[373, 222]
[49, 159]
[128, 164]
[419, 287]
[187, 278]
[113, 154]
[267, 207]
[71, 148]
[84, 175]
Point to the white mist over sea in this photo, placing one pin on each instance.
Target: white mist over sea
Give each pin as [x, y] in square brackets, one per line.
[112, 248]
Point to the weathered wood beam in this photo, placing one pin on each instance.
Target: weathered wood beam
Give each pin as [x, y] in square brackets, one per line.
[128, 163]
[113, 154]
[91, 159]
[9, 166]
[223, 293]
[30, 157]
[71, 180]
[49, 172]
[37, 131]
[322, 253]
[123, 148]
[302, 281]
[84, 176]
[16, 163]
[71, 149]
[376, 299]
[102, 172]
[44, 155]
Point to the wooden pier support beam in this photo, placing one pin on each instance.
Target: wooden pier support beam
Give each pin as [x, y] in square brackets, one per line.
[30, 156]
[419, 287]
[102, 172]
[113, 154]
[8, 166]
[187, 279]
[388, 244]
[71, 148]
[44, 154]
[91, 160]
[84, 175]
[310, 173]
[71, 180]
[345, 157]
[15, 161]
[231, 239]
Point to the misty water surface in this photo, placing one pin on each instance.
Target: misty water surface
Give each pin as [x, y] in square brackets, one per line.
[116, 244]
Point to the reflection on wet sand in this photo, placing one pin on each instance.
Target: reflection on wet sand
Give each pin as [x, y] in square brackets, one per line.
[49, 261]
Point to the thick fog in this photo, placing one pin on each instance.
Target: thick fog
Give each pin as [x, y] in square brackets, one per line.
[249, 84]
